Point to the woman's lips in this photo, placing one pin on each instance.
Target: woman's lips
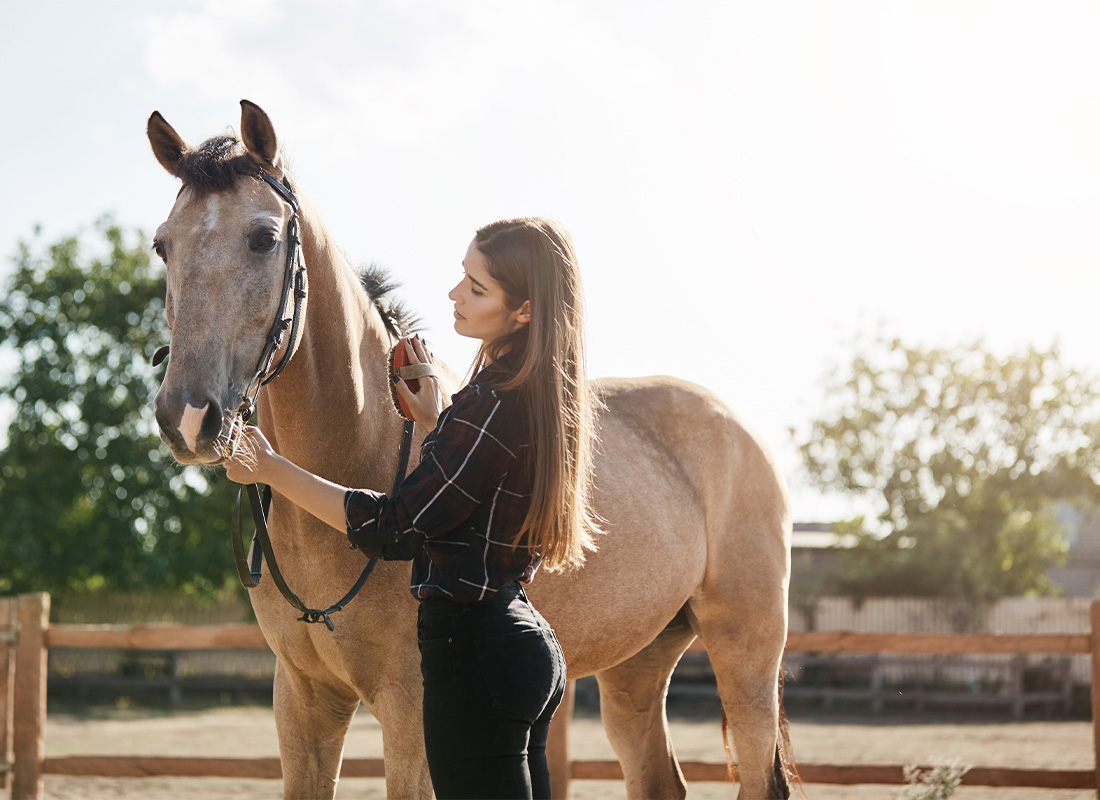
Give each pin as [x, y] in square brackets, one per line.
[458, 316]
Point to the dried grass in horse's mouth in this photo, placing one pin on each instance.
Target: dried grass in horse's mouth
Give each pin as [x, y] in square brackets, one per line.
[234, 445]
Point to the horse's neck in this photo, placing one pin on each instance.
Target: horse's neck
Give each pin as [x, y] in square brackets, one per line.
[329, 411]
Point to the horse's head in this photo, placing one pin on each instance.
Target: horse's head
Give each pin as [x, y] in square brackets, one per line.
[225, 244]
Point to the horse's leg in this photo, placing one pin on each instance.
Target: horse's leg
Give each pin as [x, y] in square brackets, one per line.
[632, 705]
[398, 707]
[744, 633]
[312, 720]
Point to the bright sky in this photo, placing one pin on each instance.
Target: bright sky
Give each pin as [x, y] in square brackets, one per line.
[749, 184]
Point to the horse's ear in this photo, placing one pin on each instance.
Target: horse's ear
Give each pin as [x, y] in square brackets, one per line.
[168, 147]
[259, 135]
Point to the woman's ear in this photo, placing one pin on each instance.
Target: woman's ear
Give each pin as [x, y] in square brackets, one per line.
[523, 316]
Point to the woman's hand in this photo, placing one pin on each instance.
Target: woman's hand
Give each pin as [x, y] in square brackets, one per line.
[254, 461]
[426, 403]
[252, 458]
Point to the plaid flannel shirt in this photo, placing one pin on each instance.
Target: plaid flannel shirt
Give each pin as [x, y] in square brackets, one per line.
[457, 515]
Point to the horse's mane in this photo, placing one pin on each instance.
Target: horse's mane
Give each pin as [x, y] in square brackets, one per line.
[380, 285]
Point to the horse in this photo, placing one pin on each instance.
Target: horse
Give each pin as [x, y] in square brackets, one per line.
[696, 515]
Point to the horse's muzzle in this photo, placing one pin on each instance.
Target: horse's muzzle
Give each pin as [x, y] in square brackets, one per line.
[192, 429]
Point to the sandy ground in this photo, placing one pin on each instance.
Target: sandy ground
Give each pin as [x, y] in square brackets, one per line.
[817, 738]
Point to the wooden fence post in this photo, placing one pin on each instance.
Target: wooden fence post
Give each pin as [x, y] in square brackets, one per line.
[7, 641]
[1094, 687]
[29, 743]
[558, 758]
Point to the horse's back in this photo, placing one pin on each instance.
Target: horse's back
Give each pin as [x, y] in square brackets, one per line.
[696, 434]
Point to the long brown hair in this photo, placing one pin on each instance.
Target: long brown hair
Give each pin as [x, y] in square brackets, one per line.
[533, 260]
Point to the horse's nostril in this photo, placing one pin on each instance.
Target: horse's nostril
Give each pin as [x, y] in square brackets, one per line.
[211, 422]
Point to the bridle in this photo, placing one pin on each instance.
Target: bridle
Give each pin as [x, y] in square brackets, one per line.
[294, 280]
[294, 277]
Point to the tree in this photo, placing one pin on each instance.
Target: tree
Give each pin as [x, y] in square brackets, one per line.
[89, 497]
[967, 456]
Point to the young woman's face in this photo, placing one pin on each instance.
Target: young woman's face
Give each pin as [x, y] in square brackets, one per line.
[480, 310]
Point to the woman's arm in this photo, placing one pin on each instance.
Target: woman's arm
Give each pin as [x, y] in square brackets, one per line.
[459, 469]
[323, 499]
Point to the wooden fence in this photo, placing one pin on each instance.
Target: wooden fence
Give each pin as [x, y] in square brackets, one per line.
[24, 623]
[1011, 683]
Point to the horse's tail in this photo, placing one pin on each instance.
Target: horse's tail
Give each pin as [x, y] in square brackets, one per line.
[731, 768]
[784, 770]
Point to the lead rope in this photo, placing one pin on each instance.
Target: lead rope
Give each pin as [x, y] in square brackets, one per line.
[261, 544]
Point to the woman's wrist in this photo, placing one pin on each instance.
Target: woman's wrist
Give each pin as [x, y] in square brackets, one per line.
[321, 498]
[272, 470]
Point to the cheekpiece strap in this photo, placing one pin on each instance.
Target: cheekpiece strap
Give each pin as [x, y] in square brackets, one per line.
[282, 188]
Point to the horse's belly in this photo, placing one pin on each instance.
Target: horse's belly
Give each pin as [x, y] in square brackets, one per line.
[650, 561]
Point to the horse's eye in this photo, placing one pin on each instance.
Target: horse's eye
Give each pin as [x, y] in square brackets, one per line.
[262, 240]
[159, 249]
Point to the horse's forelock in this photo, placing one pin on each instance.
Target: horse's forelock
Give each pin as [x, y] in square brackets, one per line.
[216, 164]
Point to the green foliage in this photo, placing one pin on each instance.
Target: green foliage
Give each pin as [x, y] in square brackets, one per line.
[967, 455]
[90, 498]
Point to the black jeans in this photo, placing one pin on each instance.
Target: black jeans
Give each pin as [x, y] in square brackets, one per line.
[494, 674]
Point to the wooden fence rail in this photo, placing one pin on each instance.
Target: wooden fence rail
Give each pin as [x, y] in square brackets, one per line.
[24, 621]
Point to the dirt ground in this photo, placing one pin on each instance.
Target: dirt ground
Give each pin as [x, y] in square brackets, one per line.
[249, 731]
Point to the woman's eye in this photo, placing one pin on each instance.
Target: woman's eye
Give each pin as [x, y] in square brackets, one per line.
[476, 292]
[262, 240]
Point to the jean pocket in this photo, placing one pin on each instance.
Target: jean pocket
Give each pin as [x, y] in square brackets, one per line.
[437, 670]
[434, 626]
[521, 671]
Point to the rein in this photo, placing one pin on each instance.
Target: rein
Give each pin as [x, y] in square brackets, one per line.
[261, 545]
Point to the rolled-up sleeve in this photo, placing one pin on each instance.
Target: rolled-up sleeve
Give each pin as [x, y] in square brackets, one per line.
[373, 526]
[461, 463]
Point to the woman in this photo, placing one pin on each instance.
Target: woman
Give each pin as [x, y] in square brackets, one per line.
[502, 488]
